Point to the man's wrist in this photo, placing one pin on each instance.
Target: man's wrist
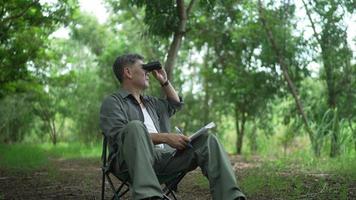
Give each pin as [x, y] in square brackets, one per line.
[164, 138]
[165, 83]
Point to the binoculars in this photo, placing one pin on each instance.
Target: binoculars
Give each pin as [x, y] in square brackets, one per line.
[155, 65]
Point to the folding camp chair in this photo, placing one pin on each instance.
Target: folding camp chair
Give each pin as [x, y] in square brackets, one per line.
[171, 182]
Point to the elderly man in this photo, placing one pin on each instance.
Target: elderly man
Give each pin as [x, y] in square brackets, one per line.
[140, 141]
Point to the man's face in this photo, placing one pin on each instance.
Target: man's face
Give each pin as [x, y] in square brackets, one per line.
[139, 77]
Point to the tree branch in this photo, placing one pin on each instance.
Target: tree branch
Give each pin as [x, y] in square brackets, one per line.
[316, 35]
[181, 10]
[283, 66]
[189, 9]
[177, 37]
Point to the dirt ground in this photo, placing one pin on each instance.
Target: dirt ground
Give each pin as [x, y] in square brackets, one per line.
[74, 179]
[81, 179]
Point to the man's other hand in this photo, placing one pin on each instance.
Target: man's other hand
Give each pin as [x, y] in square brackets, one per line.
[160, 75]
[177, 141]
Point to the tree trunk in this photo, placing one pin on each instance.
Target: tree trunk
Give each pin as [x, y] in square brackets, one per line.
[53, 131]
[335, 145]
[177, 36]
[253, 139]
[54, 138]
[330, 81]
[47, 118]
[352, 131]
[172, 54]
[335, 135]
[240, 129]
[317, 148]
[284, 67]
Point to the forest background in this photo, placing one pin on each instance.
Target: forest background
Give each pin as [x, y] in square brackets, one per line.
[277, 77]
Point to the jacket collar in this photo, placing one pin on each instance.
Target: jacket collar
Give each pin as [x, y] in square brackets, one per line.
[124, 94]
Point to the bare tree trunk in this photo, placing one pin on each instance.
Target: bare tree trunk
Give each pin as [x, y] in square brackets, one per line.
[335, 135]
[330, 82]
[331, 88]
[61, 125]
[46, 117]
[177, 36]
[353, 131]
[172, 54]
[284, 67]
[253, 140]
[240, 129]
[54, 132]
[334, 146]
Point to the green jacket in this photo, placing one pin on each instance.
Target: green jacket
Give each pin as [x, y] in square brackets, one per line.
[121, 107]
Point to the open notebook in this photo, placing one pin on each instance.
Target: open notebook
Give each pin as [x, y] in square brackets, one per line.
[201, 131]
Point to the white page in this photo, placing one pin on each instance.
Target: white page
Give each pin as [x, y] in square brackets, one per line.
[202, 131]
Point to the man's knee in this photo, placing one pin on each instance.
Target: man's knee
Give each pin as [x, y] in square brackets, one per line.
[209, 137]
[207, 140]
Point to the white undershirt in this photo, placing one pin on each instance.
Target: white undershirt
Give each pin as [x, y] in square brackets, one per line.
[150, 125]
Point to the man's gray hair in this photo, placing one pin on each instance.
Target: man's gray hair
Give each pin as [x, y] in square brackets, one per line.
[123, 61]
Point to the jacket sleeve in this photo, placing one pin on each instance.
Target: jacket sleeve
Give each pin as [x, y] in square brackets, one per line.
[167, 107]
[112, 117]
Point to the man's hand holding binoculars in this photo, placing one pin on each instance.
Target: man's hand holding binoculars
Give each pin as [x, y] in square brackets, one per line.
[158, 72]
[160, 75]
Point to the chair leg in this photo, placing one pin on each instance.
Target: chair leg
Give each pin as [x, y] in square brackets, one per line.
[168, 192]
[171, 192]
[174, 195]
[124, 192]
[121, 186]
[166, 197]
[103, 186]
[116, 196]
[171, 187]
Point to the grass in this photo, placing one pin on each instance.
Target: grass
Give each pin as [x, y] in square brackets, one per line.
[30, 156]
[267, 183]
[300, 175]
[202, 181]
[272, 185]
[297, 173]
[73, 150]
[305, 162]
[22, 157]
